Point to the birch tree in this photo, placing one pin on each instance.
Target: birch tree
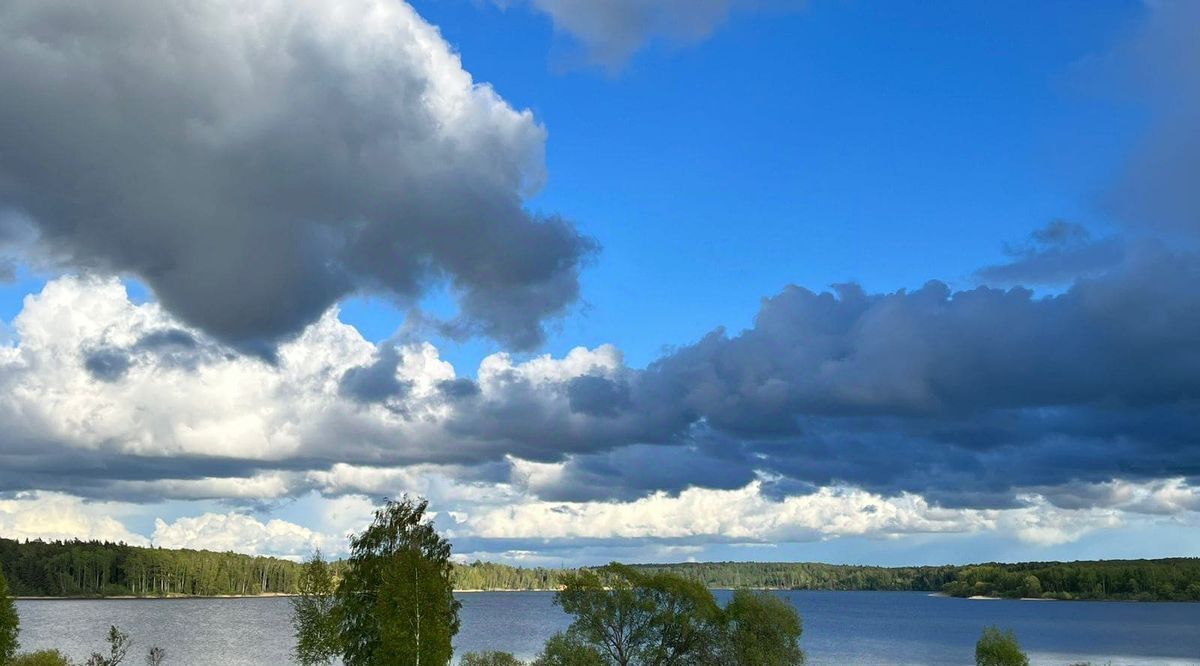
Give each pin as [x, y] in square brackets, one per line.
[395, 599]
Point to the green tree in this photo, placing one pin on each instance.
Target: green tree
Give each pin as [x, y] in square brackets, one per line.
[632, 617]
[395, 600]
[1031, 586]
[999, 648]
[40, 658]
[687, 625]
[763, 630]
[566, 650]
[490, 659]
[314, 614]
[118, 646]
[10, 622]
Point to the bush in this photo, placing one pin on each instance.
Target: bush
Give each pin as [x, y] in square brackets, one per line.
[490, 659]
[764, 630]
[41, 658]
[999, 648]
[565, 650]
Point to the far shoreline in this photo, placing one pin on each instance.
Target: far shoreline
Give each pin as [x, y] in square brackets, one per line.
[276, 595]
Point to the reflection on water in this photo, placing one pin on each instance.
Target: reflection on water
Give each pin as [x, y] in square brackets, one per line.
[853, 628]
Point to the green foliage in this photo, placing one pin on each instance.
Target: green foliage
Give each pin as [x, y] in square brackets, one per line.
[1176, 579]
[314, 614]
[567, 650]
[10, 622]
[77, 568]
[808, 576]
[764, 630]
[40, 658]
[118, 646]
[635, 617]
[96, 569]
[395, 599]
[489, 576]
[999, 648]
[490, 659]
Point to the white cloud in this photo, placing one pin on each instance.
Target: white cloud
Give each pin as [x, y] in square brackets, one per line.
[741, 515]
[242, 534]
[203, 400]
[183, 409]
[52, 516]
[1044, 525]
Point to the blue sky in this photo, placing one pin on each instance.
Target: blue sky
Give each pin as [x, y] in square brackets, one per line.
[846, 141]
[835, 280]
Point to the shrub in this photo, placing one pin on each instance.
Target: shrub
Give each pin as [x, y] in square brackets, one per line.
[565, 650]
[41, 658]
[999, 648]
[490, 659]
[764, 630]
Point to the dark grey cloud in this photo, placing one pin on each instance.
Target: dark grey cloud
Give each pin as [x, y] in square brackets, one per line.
[598, 396]
[1056, 254]
[169, 339]
[1156, 70]
[461, 388]
[967, 397]
[160, 348]
[611, 31]
[376, 382]
[107, 365]
[635, 471]
[964, 396]
[255, 163]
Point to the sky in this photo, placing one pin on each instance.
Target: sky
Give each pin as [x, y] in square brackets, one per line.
[645, 280]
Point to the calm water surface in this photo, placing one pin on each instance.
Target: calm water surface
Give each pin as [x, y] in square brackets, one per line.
[840, 628]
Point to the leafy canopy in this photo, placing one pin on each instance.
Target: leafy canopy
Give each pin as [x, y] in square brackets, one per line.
[999, 648]
[564, 649]
[490, 659]
[10, 623]
[632, 617]
[314, 614]
[764, 630]
[40, 658]
[395, 600]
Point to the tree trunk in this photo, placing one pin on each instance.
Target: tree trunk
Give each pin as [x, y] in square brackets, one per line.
[417, 594]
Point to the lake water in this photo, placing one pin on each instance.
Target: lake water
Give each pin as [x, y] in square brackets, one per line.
[842, 628]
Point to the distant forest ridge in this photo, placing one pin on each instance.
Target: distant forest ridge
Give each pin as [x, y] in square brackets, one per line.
[100, 569]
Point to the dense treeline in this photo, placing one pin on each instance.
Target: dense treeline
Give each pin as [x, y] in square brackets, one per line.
[1175, 579]
[811, 576]
[765, 575]
[488, 576]
[91, 568]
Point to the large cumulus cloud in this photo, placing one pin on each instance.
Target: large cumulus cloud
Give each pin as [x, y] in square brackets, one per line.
[965, 397]
[255, 162]
[837, 414]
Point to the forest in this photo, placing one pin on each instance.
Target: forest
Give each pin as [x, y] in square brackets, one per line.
[811, 576]
[98, 569]
[1176, 579]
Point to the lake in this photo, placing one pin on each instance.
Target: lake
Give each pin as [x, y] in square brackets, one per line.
[842, 628]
